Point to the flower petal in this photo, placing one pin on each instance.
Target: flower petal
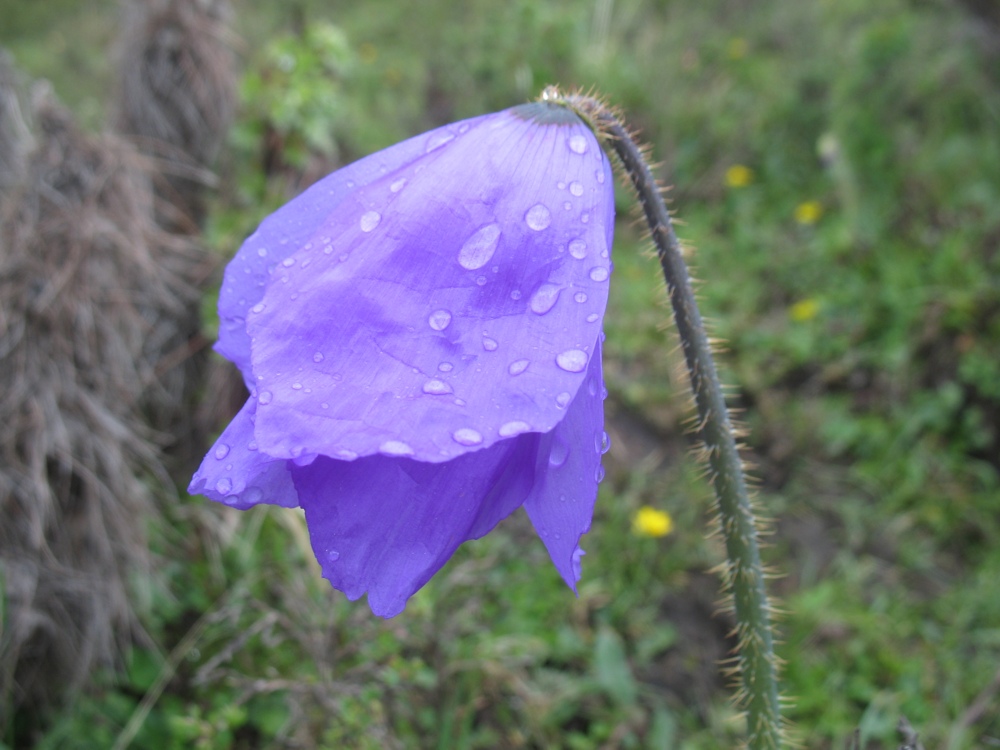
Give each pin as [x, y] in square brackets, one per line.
[236, 473]
[562, 503]
[459, 304]
[300, 225]
[385, 525]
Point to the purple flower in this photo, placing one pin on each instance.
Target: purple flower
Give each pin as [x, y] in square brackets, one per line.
[420, 333]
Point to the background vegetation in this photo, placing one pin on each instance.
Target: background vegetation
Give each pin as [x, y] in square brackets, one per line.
[837, 173]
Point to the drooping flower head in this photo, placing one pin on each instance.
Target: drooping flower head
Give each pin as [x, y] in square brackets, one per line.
[420, 333]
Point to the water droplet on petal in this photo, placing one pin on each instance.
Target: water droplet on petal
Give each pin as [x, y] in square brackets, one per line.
[439, 320]
[395, 448]
[436, 387]
[252, 445]
[446, 367]
[518, 366]
[437, 140]
[599, 174]
[252, 495]
[578, 249]
[258, 308]
[577, 144]
[347, 455]
[398, 185]
[224, 485]
[262, 252]
[296, 386]
[264, 398]
[467, 436]
[558, 454]
[592, 387]
[580, 297]
[489, 344]
[593, 318]
[516, 294]
[605, 442]
[370, 220]
[538, 217]
[479, 248]
[288, 262]
[599, 273]
[544, 299]
[333, 555]
[563, 399]
[221, 451]
[599, 474]
[318, 357]
[515, 427]
[572, 360]
[481, 280]
[576, 189]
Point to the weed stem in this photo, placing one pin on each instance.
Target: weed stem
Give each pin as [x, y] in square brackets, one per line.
[743, 575]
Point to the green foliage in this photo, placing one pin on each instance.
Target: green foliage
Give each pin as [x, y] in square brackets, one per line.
[863, 338]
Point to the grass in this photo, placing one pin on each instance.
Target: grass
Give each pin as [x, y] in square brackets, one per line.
[862, 346]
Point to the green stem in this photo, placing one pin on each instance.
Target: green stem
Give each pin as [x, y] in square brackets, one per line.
[743, 573]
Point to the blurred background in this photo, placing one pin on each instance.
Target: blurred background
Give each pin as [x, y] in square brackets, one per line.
[835, 172]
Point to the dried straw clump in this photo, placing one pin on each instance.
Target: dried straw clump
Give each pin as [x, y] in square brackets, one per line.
[15, 132]
[177, 92]
[95, 303]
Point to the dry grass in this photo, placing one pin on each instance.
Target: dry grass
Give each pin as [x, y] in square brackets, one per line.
[98, 316]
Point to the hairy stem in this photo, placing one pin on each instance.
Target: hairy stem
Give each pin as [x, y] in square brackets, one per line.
[743, 573]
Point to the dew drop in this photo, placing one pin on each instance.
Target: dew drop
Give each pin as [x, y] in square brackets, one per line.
[333, 555]
[516, 427]
[436, 387]
[437, 140]
[262, 252]
[599, 273]
[252, 495]
[318, 357]
[288, 262]
[258, 308]
[221, 451]
[398, 185]
[489, 344]
[563, 399]
[518, 366]
[599, 474]
[559, 453]
[252, 445]
[572, 360]
[577, 144]
[578, 249]
[264, 398]
[605, 445]
[592, 387]
[370, 220]
[538, 217]
[346, 454]
[467, 436]
[439, 320]
[593, 318]
[224, 485]
[584, 217]
[459, 402]
[544, 299]
[599, 174]
[481, 280]
[296, 386]
[324, 405]
[395, 448]
[576, 189]
[477, 251]
[516, 294]
[580, 297]
[446, 367]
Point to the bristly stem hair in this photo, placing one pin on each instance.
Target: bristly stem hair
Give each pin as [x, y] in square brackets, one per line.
[743, 573]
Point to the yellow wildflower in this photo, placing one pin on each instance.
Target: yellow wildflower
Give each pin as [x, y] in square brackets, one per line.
[738, 176]
[738, 48]
[808, 212]
[649, 521]
[804, 310]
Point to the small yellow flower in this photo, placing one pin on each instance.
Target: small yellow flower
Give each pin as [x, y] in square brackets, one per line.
[652, 522]
[804, 310]
[738, 48]
[738, 176]
[368, 53]
[808, 212]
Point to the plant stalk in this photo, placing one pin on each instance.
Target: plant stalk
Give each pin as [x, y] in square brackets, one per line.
[743, 574]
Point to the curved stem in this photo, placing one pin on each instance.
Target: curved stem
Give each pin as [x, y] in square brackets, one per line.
[743, 573]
